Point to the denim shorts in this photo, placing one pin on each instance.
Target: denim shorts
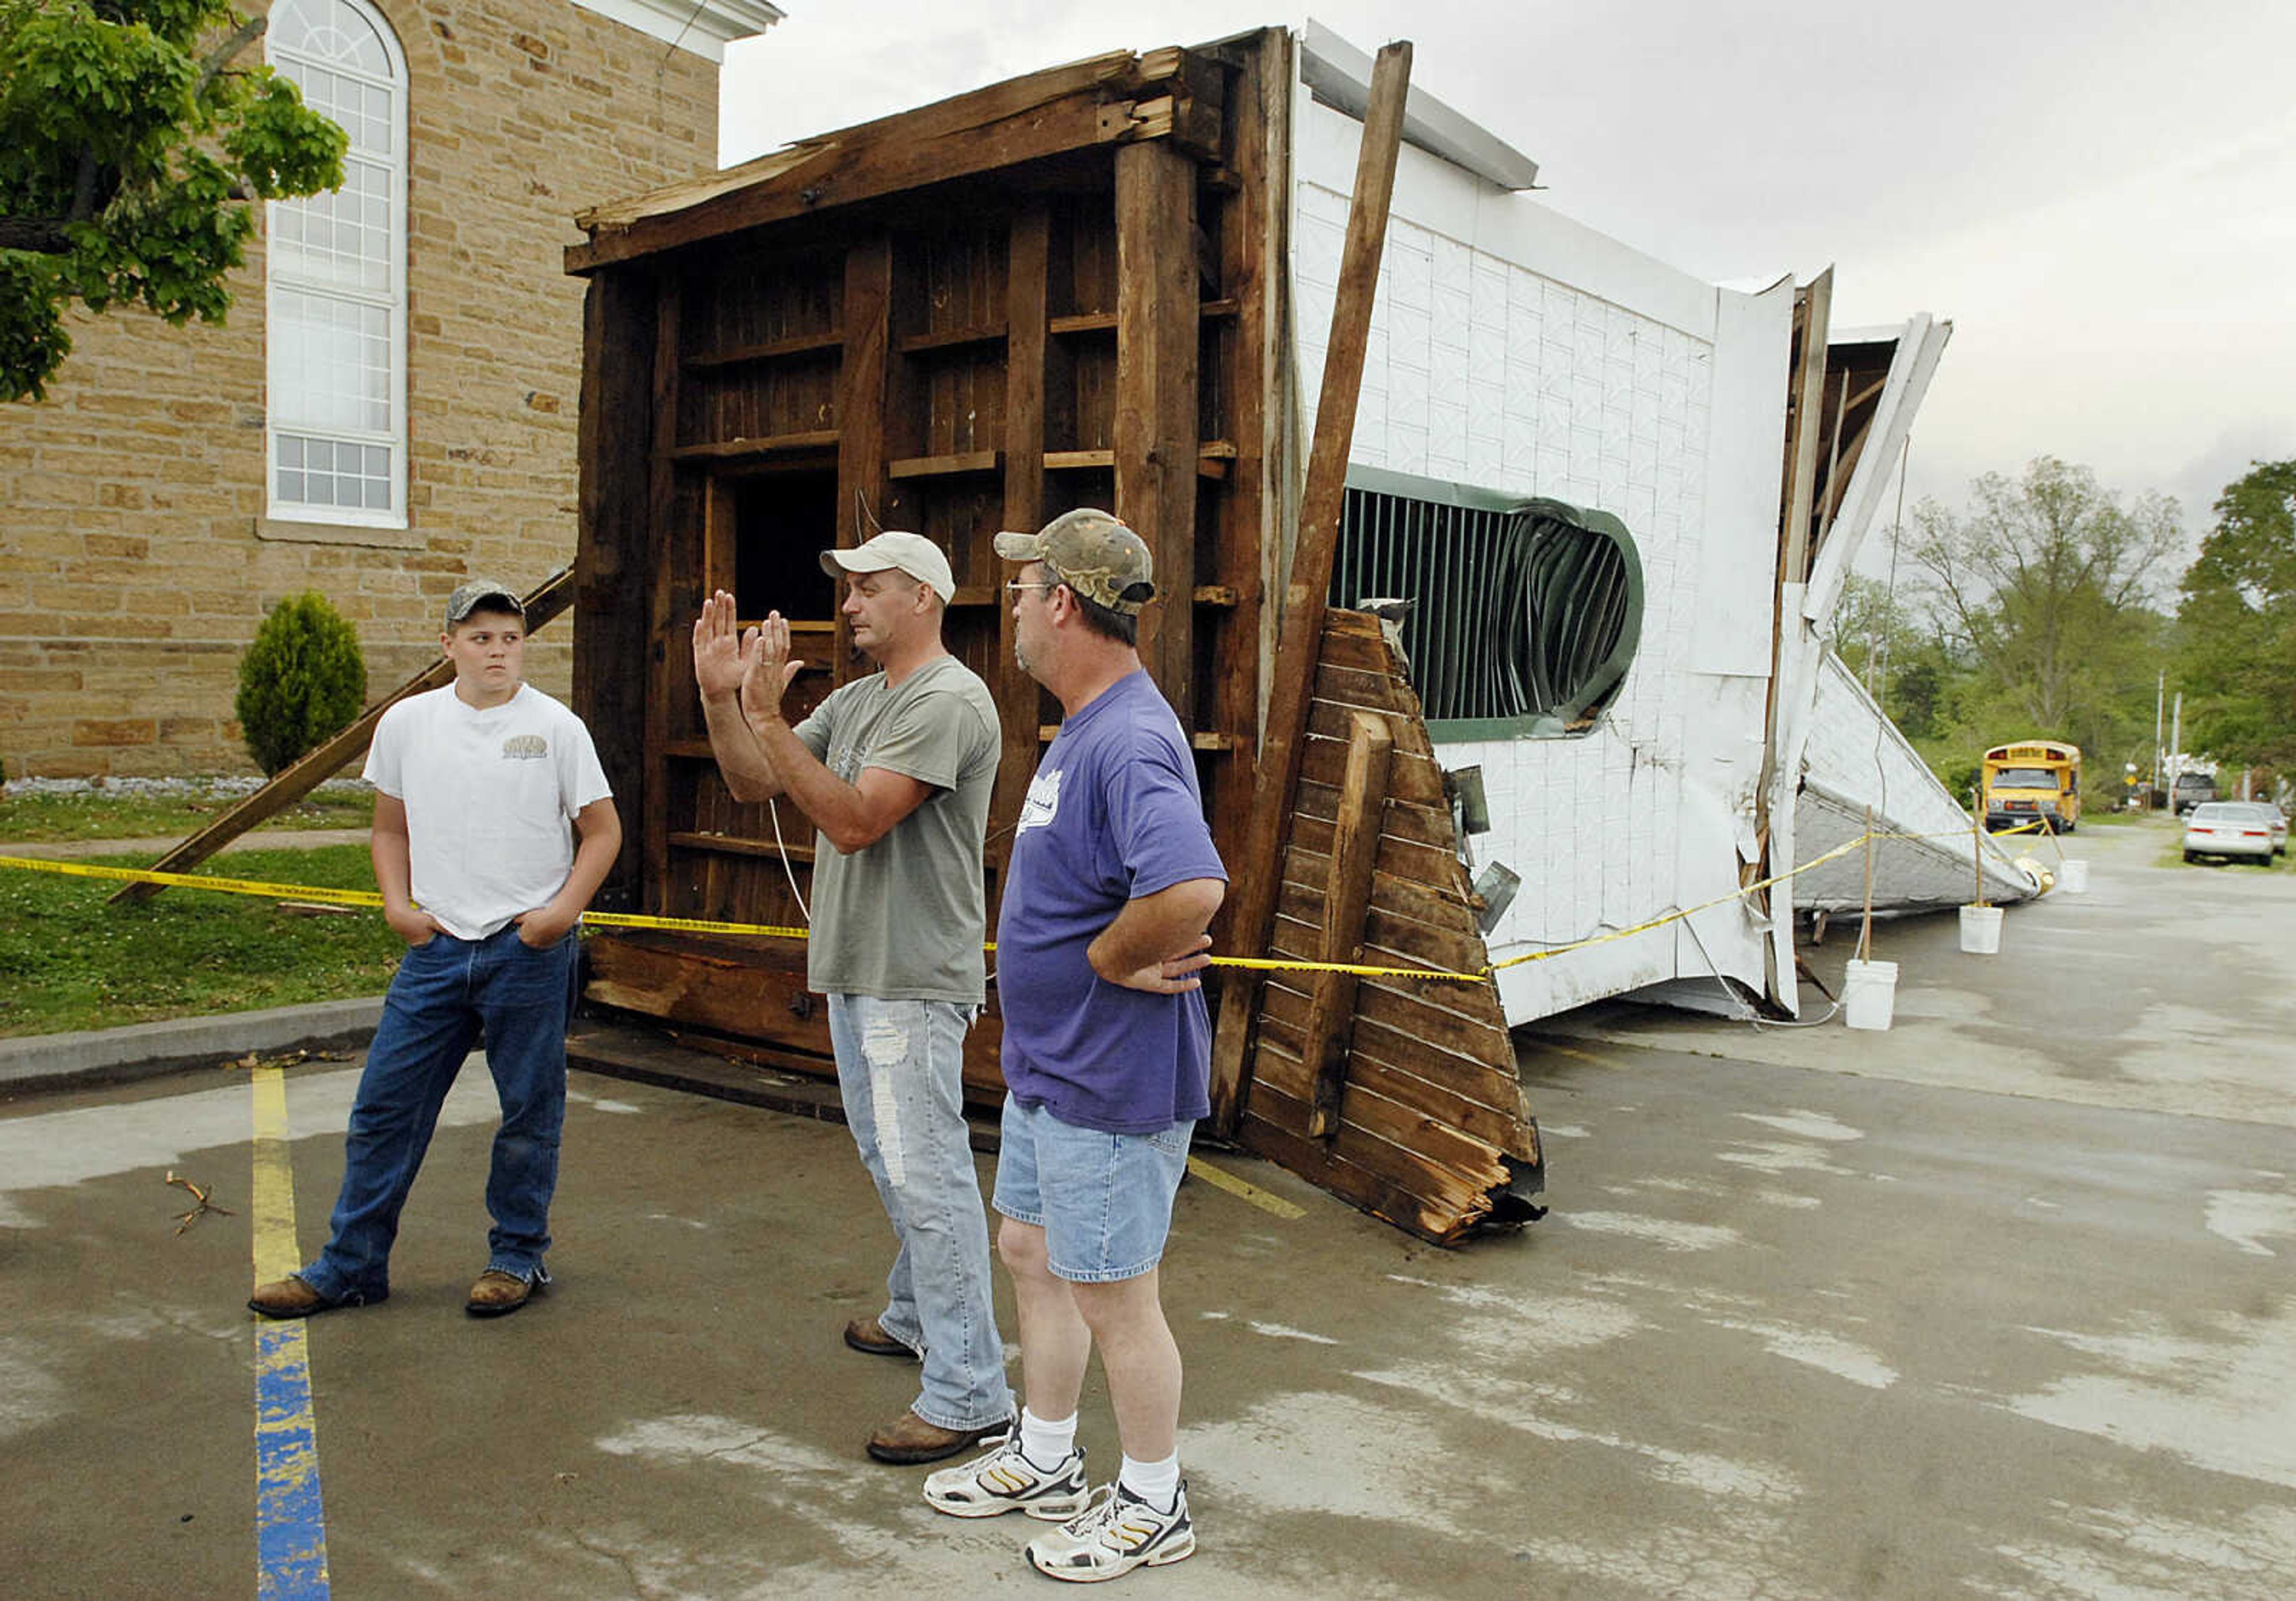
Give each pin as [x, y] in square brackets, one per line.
[1104, 1201]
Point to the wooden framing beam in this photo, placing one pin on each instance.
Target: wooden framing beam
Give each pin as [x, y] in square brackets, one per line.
[861, 407]
[660, 544]
[1156, 376]
[1355, 850]
[1027, 290]
[614, 438]
[1256, 886]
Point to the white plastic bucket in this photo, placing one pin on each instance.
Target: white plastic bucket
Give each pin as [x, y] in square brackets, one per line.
[2072, 876]
[1869, 992]
[1981, 930]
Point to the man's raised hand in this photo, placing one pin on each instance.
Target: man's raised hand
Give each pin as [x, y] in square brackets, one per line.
[720, 654]
[768, 668]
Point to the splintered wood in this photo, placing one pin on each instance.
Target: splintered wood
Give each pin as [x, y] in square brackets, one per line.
[1398, 1095]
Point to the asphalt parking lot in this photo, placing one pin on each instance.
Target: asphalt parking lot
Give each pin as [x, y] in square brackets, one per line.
[1997, 1303]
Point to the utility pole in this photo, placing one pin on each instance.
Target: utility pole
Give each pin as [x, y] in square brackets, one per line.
[2160, 694]
[2177, 732]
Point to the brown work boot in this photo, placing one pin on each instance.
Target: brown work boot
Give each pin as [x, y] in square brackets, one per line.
[867, 1334]
[497, 1292]
[909, 1438]
[290, 1297]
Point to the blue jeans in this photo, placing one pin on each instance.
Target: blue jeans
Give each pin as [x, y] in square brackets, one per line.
[446, 991]
[899, 1067]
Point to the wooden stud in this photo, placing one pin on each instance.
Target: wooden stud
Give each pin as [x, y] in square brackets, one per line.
[661, 546]
[1156, 377]
[1027, 267]
[861, 406]
[1331, 1026]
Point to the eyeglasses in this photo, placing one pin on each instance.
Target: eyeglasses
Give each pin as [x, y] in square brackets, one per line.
[1013, 586]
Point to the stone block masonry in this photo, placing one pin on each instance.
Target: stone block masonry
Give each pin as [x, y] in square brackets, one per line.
[136, 558]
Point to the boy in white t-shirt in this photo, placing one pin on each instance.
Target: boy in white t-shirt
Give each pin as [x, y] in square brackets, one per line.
[476, 785]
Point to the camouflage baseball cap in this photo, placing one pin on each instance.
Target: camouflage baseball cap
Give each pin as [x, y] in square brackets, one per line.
[1094, 553]
[472, 594]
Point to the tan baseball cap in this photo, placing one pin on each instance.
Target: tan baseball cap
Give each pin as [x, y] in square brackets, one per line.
[1094, 554]
[893, 552]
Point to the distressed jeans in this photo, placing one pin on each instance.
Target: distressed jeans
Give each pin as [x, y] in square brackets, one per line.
[445, 992]
[900, 1065]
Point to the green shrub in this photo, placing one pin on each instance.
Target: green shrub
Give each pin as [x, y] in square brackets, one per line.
[301, 680]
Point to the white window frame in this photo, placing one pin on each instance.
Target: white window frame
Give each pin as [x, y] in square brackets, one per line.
[393, 300]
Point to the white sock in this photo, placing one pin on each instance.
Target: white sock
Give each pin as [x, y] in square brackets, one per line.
[1157, 1483]
[1046, 1444]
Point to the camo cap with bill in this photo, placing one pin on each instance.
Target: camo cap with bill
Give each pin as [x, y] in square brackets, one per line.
[1094, 554]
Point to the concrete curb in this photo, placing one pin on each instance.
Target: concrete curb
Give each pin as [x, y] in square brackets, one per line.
[147, 1050]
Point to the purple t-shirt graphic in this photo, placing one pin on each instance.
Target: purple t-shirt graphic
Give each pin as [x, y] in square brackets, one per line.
[1113, 814]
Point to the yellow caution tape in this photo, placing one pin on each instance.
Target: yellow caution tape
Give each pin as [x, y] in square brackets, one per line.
[186, 880]
[703, 925]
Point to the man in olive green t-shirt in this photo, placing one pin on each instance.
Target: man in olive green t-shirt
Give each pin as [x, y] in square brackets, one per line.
[894, 771]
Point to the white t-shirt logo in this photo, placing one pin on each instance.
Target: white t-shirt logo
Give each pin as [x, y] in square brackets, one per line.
[525, 747]
[1044, 801]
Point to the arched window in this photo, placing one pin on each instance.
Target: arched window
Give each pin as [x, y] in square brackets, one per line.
[336, 433]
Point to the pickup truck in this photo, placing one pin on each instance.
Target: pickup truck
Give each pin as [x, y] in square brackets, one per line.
[2191, 790]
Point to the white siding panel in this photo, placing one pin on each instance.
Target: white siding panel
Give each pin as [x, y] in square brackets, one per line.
[1518, 351]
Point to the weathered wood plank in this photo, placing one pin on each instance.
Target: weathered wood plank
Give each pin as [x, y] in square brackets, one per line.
[1500, 1127]
[1376, 1174]
[747, 990]
[1006, 125]
[1323, 759]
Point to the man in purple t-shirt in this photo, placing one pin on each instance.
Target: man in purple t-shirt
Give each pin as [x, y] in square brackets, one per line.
[1100, 940]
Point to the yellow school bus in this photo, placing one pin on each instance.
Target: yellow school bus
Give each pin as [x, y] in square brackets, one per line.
[2036, 781]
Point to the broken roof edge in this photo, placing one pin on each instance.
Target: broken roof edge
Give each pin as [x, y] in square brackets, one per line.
[703, 29]
[669, 199]
[1339, 75]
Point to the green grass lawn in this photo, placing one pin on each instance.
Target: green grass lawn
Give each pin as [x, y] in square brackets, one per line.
[46, 817]
[69, 961]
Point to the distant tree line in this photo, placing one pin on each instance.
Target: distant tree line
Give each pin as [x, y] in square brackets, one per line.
[2043, 610]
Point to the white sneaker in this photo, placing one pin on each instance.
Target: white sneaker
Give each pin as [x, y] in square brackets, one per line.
[1006, 1480]
[1119, 1533]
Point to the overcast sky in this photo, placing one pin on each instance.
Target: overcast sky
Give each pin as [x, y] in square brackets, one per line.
[2100, 194]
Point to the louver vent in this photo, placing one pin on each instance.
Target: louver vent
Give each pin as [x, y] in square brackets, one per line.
[1521, 611]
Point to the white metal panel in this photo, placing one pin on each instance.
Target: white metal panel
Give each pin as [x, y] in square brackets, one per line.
[1857, 760]
[1453, 202]
[1737, 591]
[1520, 351]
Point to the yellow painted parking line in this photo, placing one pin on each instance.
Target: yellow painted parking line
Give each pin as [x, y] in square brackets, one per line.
[1589, 1057]
[1221, 1178]
[291, 1525]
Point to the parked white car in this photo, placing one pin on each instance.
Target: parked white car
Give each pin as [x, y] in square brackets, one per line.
[2230, 829]
[2274, 816]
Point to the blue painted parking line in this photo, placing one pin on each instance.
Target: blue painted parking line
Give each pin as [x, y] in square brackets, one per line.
[290, 1523]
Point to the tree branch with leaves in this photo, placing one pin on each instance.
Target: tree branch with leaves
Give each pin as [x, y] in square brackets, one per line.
[2236, 623]
[2046, 581]
[133, 144]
